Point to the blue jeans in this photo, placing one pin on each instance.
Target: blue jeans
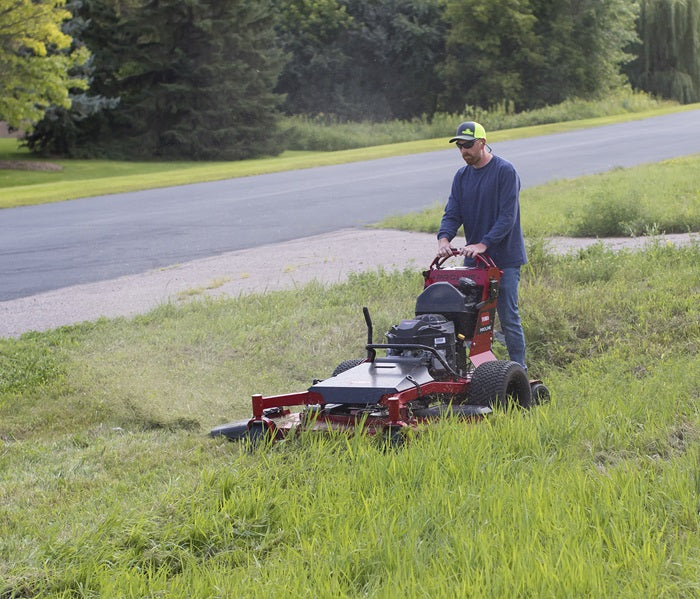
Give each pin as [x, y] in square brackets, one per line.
[508, 314]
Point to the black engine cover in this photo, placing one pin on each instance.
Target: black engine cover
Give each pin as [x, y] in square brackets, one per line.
[433, 330]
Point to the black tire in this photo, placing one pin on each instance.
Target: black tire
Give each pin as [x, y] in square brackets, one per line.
[394, 437]
[494, 382]
[258, 434]
[347, 365]
[540, 394]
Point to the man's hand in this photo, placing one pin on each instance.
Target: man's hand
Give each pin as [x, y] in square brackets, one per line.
[471, 251]
[444, 248]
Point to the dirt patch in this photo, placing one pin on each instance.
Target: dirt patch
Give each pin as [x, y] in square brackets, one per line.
[29, 165]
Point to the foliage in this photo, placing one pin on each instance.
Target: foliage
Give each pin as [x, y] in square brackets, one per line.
[360, 60]
[204, 79]
[667, 61]
[35, 60]
[530, 54]
[325, 133]
[584, 46]
[194, 80]
[57, 132]
[492, 52]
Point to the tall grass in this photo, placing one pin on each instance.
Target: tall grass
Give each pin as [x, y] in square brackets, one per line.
[326, 133]
[110, 488]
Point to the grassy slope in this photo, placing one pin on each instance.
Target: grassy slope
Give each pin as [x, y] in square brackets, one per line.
[109, 487]
[82, 178]
[594, 494]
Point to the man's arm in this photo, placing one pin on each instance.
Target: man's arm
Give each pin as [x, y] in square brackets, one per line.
[508, 202]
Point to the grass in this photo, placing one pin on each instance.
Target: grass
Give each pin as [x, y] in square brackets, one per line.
[623, 202]
[85, 178]
[110, 487]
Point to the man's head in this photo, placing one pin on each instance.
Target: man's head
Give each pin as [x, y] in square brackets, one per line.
[469, 131]
[471, 139]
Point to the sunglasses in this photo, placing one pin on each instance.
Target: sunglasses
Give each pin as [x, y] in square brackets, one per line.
[466, 144]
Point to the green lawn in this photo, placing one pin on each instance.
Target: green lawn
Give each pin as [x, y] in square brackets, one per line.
[83, 178]
[110, 486]
[633, 201]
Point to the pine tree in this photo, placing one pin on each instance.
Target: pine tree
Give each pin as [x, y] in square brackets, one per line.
[193, 79]
[197, 80]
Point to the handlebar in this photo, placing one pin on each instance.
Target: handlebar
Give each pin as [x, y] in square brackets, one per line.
[484, 259]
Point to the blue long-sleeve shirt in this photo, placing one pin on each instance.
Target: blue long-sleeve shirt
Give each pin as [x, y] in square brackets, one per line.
[486, 202]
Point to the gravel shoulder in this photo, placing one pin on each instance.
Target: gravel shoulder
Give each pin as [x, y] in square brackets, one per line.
[327, 258]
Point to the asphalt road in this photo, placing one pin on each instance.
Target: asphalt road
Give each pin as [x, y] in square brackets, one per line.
[95, 239]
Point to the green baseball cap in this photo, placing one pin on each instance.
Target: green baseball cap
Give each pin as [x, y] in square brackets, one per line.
[469, 130]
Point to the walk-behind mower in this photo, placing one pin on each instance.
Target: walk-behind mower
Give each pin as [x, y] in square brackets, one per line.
[437, 363]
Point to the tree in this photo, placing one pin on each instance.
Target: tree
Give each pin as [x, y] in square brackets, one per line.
[194, 79]
[583, 47]
[57, 132]
[492, 52]
[361, 59]
[35, 66]
[668, 55]
[533, 53]
[308, 31]
[199, 80]
[394, 49]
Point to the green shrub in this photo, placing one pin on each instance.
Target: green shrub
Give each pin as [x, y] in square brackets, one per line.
[606, 217]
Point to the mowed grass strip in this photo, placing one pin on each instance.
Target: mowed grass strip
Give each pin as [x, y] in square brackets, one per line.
[111, 488]
[88, 178]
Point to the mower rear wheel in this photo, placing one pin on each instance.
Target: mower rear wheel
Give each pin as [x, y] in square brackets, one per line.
[494, 382]
[347, 365]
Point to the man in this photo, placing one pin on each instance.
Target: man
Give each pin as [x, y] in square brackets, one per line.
[485, 200]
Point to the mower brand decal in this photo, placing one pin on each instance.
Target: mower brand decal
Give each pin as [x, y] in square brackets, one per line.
[440, 341]
[485, 318]
[485, 328]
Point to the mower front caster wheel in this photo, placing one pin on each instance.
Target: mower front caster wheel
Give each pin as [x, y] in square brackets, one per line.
[347, 365]
[540, 394]
[258, 434]
[394, 436]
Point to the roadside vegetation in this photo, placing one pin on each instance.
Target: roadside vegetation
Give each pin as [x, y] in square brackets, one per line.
[110, 486]
[624, 202]
[316, 143]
